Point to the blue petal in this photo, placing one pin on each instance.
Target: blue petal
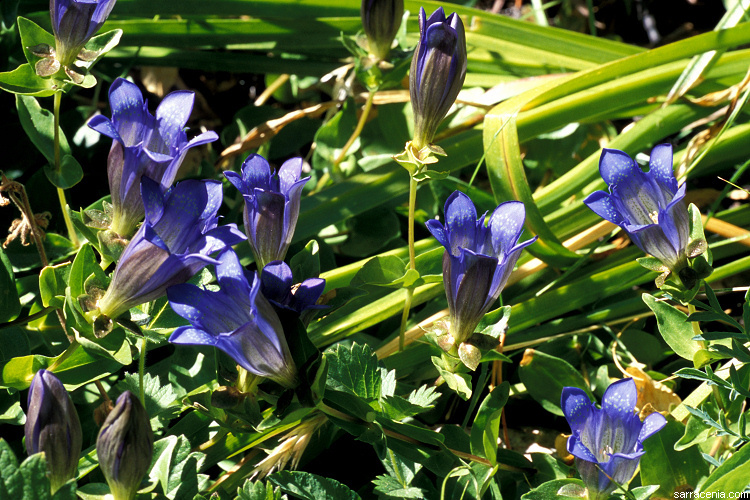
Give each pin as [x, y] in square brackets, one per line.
[615, 166]
[153, 200]
[577, 449]
[232, 277]
[235, 179]
[438, 231]
[188, 335]
[651, 425]
[506, 226]
[619, 399]
[172, 115]
[289, 173]
[660, 165]
[460, 220]
[104, 126]
[256, 173]
[276, 282]
[601, 204]
[129, 115]
[576, 407]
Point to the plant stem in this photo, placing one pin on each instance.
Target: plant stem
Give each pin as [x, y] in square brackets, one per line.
[58, 167]
[412, 261]
[142, 370]
[357, 131]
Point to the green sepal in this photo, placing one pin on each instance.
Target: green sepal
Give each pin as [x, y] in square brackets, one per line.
[697, 240]
[652, 264]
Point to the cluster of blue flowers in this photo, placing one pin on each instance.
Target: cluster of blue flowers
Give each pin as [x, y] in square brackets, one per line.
[180, 234]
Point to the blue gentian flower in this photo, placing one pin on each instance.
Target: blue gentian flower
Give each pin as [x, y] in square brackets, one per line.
[649, 205]
[173, 243]
[381, 20]
[74, 22]
[143, 145]
[277, 285]
[271, 205]
[437, 73]
[237, 319]
[125, 446]
[52, 426]
[607, 442]
[478, 258]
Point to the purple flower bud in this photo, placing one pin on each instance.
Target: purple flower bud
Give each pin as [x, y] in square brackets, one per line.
[173, 243]
[52, 427]
[607, 442]
[478, 258]
[125, 446]
[237, 319]
[271, 205]
[277, 285]
[381, 20]
[649, 205]
[143, 145]
[437, 73]
[74, 22]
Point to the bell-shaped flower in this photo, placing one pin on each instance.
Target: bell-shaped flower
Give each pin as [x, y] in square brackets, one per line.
[607, 442]
[173, 243]
[52, 426]
[237, 319]
[74, 22]
[437, 73]
[277, 285]
[272, 201]
[143, 145]
[125, 446]
[381, 20]
[478, 259]
[649, 205]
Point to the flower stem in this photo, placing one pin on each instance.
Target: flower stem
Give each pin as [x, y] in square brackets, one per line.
[142, 370]
[357, 131]
[58, 167]
[412, 261]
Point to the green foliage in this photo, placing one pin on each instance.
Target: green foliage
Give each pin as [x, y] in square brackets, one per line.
[664, 466]
[544, 376]
[9, 303]
[28, 481]
[258, 490]
[306, 486]
[176, 468]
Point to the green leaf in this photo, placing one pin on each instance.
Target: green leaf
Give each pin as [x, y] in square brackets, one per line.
[557, 489]
[731, 475]
[10, 306]
[385, 270]
[486, 426]
[306, 263]
[85, 266]
[331, 137]
[32, 35]
[312, 487]
[401, 473]
[159, 398]
[398, 408]
[354, 371]
[390, 487]
[10, 409]
[460, 383]
[176, 468]
[668, 468]
[24, 81]
[545, 376]
[676, 331]
[52, 283]
[39, 125]
[69, 175]
[370, 232]
[258, 490]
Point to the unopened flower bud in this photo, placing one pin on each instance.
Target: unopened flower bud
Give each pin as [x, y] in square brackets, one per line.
[437, 73]
[381, 20]
[52, 427]
[125, 446]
